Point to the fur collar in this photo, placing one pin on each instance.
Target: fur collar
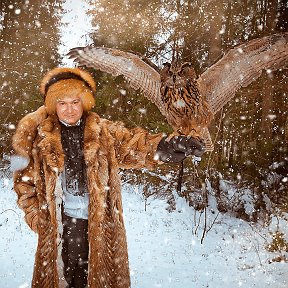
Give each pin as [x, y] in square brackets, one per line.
[48, 130]
[22, 140]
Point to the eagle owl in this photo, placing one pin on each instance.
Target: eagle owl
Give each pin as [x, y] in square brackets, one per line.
[189, 103]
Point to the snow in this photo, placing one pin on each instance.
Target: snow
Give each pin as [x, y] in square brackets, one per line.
[18, 162]
[76, 25]
[165, 248]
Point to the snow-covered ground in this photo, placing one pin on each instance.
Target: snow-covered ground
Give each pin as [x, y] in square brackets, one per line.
[164, 249]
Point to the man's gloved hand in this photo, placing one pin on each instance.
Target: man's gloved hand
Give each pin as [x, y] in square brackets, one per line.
[188, 145]
[178, 148]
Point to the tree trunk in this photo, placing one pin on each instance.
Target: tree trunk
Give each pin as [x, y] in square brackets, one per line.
[267, 108]
[268, 92]
[214, 32]
[282, 19]
[271, 15]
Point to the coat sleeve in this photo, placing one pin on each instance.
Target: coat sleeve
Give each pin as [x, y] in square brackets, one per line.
[24, 182]
[27, 197]
[135, 148]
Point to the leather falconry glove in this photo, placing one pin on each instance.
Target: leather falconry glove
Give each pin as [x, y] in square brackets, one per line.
[178, 148]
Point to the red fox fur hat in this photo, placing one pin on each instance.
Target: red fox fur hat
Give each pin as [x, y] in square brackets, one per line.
[61, 82]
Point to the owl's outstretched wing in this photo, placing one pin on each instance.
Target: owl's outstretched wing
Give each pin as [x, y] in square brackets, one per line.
[139, 74]
[241, 66]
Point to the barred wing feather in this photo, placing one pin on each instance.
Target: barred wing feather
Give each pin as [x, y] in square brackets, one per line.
[139, 74]
[241, 66]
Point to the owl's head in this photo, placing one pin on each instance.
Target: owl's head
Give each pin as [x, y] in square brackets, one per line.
[174, 76]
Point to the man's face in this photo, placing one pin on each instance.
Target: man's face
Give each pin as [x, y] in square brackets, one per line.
[69, 109]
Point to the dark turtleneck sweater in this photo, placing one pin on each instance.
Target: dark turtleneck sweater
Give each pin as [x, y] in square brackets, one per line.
[74, 176]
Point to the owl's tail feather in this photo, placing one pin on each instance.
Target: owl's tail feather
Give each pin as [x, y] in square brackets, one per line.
[205, 135]
[201, 133]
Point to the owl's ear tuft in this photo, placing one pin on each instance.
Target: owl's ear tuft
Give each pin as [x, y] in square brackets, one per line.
[165, 71]
[188, 71]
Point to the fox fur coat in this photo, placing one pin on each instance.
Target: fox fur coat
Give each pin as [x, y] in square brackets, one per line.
[108, 146]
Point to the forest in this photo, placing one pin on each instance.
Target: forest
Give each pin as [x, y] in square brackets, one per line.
[250, 133]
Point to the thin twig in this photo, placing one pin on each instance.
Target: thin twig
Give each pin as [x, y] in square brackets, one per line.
[205, 225]
[218, 130]
[199, 220]
[257, 252]
[16, 214]
[213, 222]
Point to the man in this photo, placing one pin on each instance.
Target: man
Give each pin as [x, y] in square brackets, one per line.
[70, 189]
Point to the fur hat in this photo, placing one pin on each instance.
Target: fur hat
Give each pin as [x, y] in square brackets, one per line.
[61, 82]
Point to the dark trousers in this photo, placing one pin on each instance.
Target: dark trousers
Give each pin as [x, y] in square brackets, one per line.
[75, 251]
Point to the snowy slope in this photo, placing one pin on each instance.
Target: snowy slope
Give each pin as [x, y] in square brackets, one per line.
[164, 249]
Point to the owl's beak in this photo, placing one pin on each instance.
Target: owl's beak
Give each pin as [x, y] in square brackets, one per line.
[174, 78]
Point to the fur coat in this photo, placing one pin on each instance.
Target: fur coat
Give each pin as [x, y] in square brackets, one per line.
[108, 146]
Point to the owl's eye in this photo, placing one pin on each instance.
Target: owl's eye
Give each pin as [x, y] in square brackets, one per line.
[166, 72]
[185, 69]
[183, 72]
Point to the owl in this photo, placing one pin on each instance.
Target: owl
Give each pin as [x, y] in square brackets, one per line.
[188, 102]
